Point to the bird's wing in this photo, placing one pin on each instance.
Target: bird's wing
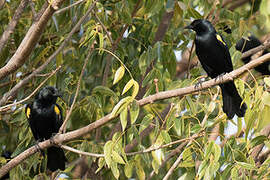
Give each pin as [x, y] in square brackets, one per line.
[228, 63]
[59, 118]
[29, 116]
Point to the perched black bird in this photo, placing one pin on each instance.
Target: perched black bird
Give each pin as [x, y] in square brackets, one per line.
[45, 119]
[215, 58]
[6, 155]
[244, 45]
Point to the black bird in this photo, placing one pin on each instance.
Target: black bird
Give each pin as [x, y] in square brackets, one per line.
[244, 45]
[6, 155]
[215, 58]
[45, 119]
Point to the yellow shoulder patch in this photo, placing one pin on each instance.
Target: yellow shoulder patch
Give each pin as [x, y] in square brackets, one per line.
[28, 111]
[220, 39]
[56, 110]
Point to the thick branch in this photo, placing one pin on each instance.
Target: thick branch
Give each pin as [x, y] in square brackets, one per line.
[257, 149]
[29, 42]
[12, 24]
[61, 138]
[15, 89]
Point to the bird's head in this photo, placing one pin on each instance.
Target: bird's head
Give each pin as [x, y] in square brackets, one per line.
[48, 95]
[201, 26]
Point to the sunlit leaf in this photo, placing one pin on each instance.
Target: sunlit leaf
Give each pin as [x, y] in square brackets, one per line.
[123, 119]
[128, 86]
[117, 158]
[119, 74]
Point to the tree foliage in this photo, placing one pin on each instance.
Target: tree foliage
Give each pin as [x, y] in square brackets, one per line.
[136, 49]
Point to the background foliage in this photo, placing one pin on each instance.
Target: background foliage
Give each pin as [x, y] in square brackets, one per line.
[125, 69]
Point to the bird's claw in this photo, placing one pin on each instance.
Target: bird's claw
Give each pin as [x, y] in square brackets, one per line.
[198, 84]
[39, 148]
[52, 141]
[219, 77]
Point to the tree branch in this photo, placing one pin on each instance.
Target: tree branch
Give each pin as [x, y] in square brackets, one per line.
[29, 42]
[63, 127]
[33, 93]
[61, 138]
[12, 24]
[257, 149]
[15, 89]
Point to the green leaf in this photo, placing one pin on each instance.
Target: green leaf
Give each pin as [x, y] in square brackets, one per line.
[193, 13]
[266, 98]
[157, 155]
[165, 136]
[208, 150]
[117, 158]
[191, 105]
[128, 169]
[258, 140]
[234, 173]
[115, 170]
[120, 105]
[187, 159]
[202, 168]
[267, 81]
[246, 165]
[123, 119]
[119, 74]
[128, 86]
[196, 128]
[139, 169]
[217, 152]
[145, 122]
[149, 77]
[108, 152]
[135, 89]
[104, 91]
[101, 163]
[100, 35]
[155, 166]
[134, 112]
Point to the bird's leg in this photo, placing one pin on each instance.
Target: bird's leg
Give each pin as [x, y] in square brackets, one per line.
[220, 77]
[199, 83]
[52, 139]
[38, 147]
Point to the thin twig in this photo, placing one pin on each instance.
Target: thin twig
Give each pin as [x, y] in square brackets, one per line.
[104, 27]
[68, 7]
[175, 164]
[33, 93]
[12, 24]
[132, 153]
[23, 82]
[81, 152]
[173, 153]
[116, 42]
[63, 127]
[189, 59]
[32, 6]
[164, 146]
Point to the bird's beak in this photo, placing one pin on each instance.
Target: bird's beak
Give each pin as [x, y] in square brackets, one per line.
[188, 27]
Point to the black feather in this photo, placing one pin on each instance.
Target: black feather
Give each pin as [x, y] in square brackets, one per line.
[45, 119]
[215, 58]
[244, 45]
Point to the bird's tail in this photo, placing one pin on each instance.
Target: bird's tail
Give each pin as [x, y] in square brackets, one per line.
[56, 158]
[232, 102]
